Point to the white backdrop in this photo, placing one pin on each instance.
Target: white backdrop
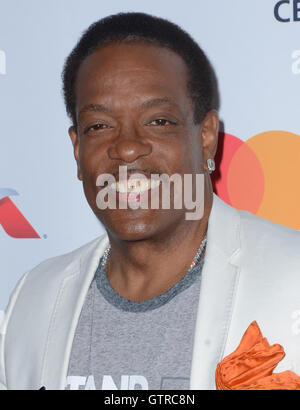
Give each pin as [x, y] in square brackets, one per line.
[256, 57]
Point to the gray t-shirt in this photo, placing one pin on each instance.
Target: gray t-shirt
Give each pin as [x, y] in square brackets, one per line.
[125, 345]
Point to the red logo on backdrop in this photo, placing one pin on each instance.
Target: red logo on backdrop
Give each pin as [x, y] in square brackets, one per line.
[12, 220]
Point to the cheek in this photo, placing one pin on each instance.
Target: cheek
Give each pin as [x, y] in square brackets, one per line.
[197, 160]
[194, 154]
[182, 157]
[92, 160]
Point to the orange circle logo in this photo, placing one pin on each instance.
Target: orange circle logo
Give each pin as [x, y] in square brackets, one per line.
[261, 175]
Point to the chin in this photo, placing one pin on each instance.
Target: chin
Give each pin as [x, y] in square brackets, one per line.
[138, 225]
[131, 225]
[133, 231]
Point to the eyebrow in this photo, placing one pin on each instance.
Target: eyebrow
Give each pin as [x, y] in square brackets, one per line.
[156, 101]
[153, 102]
[94, 107]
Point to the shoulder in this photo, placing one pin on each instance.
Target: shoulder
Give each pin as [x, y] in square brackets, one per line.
[49, 274]
[65, 263]
[233, 229]
[269, 257]
[41, 284]
[263, 236]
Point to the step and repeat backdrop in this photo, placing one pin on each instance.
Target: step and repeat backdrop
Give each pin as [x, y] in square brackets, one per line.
[254, 46]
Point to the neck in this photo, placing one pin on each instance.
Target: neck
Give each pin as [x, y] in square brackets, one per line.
[138, 277]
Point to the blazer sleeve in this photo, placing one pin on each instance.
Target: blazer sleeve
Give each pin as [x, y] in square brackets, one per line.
[3, 328]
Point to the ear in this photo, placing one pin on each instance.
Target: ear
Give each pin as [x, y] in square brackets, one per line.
[210, 132]
[75, 141]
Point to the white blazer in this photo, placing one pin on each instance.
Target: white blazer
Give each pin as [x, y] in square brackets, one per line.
[251, 272]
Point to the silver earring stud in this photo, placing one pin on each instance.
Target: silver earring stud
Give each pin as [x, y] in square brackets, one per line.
[211, 165]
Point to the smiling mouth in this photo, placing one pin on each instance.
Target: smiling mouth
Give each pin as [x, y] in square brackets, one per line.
[134, 191]
[135, 186]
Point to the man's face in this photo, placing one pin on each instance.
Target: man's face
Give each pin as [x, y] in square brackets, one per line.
[142, 117]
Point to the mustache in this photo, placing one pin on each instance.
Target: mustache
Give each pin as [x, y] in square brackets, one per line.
[138, 170]
[105, 179]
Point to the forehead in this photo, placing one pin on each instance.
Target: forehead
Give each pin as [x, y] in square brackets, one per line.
[135, 69]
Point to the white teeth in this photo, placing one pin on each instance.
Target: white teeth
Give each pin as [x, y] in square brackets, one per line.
[154, 183]
[113, 186]
[121, 187]
[135, 186]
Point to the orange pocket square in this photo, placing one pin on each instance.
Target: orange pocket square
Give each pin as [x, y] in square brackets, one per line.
[251, 365]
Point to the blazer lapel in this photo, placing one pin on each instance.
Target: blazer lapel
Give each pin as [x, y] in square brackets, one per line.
[218, 287]
[66, 314]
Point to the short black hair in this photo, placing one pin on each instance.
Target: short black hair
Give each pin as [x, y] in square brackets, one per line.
[142, 27]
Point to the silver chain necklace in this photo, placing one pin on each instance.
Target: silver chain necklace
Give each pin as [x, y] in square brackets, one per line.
[196, 259]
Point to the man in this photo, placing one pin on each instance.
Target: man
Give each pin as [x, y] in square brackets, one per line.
[136, 308]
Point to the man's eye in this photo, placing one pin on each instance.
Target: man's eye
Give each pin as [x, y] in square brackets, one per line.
[162, 121]
[95, 127]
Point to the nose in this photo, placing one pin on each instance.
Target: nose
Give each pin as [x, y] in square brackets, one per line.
[129, 149]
